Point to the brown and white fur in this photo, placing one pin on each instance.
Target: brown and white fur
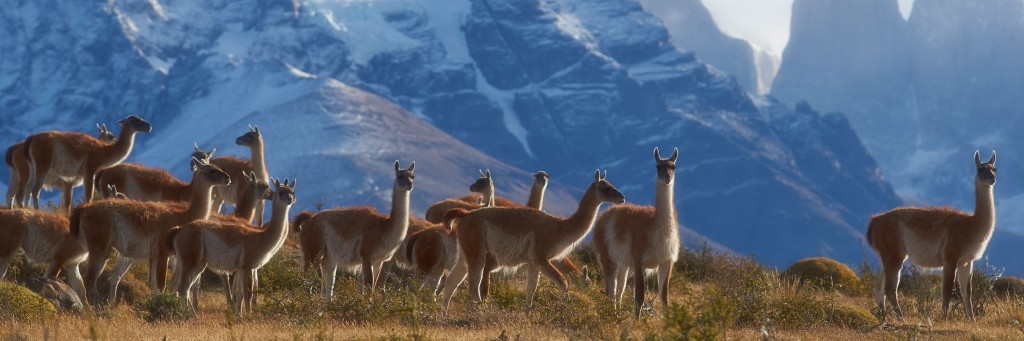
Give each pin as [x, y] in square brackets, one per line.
[135, 228]
[76, 157]
[431, 249]
[632, 239]
[235, 166]
[517, 236]
[256, 191]
[149, 183]
[45, 238]
[232, 246]
[358, 238]
[933, 237]
[17, 163]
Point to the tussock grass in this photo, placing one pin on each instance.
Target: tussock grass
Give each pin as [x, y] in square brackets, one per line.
[713, 297]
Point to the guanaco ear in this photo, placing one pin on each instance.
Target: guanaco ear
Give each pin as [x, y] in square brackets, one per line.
[605, 176]
[214, 151]
[251, 128]
[277, 183]
[248, 177]
[196, 145]
[481, 173]
[256, 129]
[292, 185]
[992, 161]
[977, 158]
[99, 127]
[412, 166]
[488, 174]
[195, 164]
[397, 168]
[675, 155]
[657, 155]
[597, 175]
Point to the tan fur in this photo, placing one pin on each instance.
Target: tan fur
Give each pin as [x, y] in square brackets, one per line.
[144, 183]
[358, 238]
[135, 228]
[76, 157]
[234, 166]
[933, 237]
[45, 238]
[631, 239]
[18, 164]
[517, 236]
[231, 245]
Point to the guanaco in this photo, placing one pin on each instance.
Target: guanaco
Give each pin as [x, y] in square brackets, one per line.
[631, 239]
[19, 167]
[933, 237]
[134, 228]
[76, 157]
[517, 236]
[359, 237]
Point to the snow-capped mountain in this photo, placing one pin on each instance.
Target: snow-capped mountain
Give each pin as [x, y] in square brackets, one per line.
[342, 88]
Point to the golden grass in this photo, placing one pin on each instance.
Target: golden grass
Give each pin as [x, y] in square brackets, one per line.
[740, 301]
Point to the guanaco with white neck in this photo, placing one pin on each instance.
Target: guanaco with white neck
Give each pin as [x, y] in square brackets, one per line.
[253, 139]
[231, 246]
[631, 239]
[17, 163]
[76, 157]
[936, 237]
[135, 228]
[517, 236]
[358, 238]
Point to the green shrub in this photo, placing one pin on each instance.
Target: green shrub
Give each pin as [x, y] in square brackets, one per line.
[20, 304]
[851, 316]
[162, 306]
[824, 273]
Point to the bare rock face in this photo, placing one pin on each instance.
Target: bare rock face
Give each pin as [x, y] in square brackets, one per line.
[57, 292]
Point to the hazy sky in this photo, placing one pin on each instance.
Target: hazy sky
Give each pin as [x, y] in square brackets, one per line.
[762, 22]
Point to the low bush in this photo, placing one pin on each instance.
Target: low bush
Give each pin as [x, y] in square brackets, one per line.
[823, 273]
[17, 303]
[162, 306]
[1008, 287]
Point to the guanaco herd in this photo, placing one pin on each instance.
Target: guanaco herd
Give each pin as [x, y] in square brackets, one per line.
[146, 214]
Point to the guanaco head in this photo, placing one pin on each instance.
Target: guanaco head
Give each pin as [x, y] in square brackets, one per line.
[200, 154]
[666, 167]
[250, 138]
[605, 190]
[284, 192]
[105, 134]
[135, 123]
[257, 187]
[540, 179]
[986, 170]
[483, 183]
[204, 171]
[404, 177]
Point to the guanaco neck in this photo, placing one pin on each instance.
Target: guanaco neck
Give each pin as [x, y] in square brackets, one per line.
[398, 222]
[489, 195]
[199, 208]
[276, 230]
[259, 166]
[984, 207]
[664, 207]
[581, 221]
[536, 200]
[118, 151]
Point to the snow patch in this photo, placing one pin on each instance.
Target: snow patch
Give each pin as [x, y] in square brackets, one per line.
[361, 24]
[509, 118]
